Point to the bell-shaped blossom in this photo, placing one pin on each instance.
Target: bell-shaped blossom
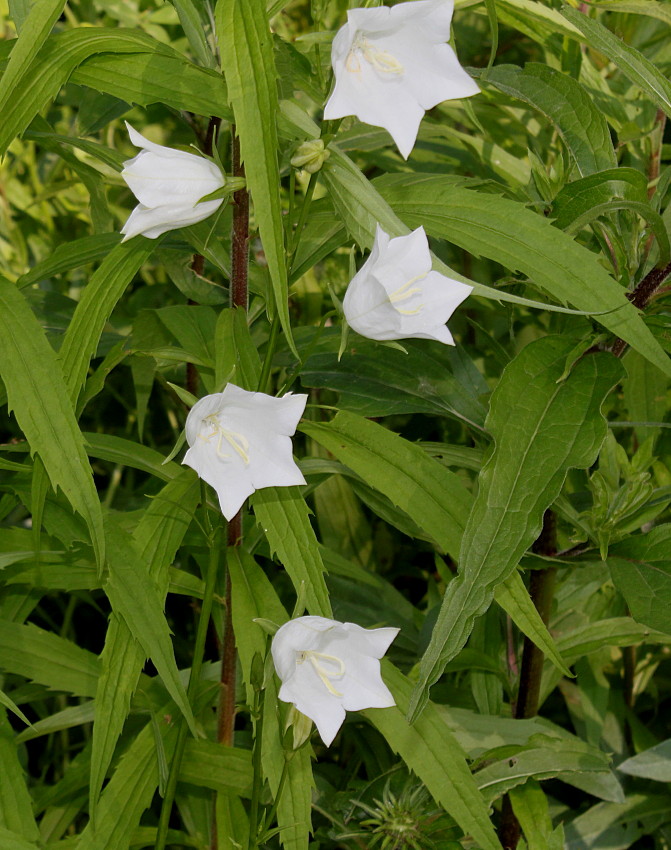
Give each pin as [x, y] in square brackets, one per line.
[240, 441]
[328, 668]
[391, 65]
[396, 295]
[169, 185]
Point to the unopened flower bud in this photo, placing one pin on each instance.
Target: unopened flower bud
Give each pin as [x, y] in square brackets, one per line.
[311, 155]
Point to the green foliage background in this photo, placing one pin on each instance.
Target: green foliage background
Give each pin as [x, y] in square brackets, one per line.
[445, 485]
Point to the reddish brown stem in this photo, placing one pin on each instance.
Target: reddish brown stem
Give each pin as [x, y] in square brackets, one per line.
[240, 237]
[641, 296]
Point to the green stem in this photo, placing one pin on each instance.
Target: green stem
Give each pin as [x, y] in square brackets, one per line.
[280, 788]
[270, 353]
[295, 237]
[258, 776]
[194, 678]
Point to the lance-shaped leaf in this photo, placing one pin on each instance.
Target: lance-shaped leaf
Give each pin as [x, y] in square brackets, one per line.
[541, 429]
[39, 398]
[16, 811]
[567, 104]
[435, 498]
[630, 61]
[504, 231]
[245, 45]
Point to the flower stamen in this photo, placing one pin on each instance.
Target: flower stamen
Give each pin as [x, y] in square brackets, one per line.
[381, 60]
[407, 291]
[238, 442]
[324, 674]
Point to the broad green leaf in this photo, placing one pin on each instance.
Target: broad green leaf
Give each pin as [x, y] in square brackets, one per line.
[136, 597]
[536, 20]
[34, 31]
[39, 397]
[12, 841]
[283, 515]
[157, 536]
[548, 759]
[48, 659]
[567, 104]
[430, 750]
[129, 792]
[431, 495]
[236, 357]
[641, 571]
[16, 812]
[513, 597]
[148, 72]
[617, 826]
[99, 298]
[245, 45]
[505, 231]
[541, 429]
[211, 765]
[654, 763]
[579, 197]
[615, 631]
[361, 207]
[425, 379]
[630, 61]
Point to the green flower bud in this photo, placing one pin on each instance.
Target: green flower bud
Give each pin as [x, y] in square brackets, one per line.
[310, 155]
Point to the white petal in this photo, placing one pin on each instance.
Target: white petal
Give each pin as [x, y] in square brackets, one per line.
[373, 642]
[162, 181]
[204, 407]
[230, 479]
[153, 222]
[432, 17]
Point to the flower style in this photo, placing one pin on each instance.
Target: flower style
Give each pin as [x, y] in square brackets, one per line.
[328, 667]
[391, 65]
[396, 295]
[168, 184]
[240, 441]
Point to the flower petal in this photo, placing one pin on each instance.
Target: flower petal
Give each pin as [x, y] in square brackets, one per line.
[153, 222]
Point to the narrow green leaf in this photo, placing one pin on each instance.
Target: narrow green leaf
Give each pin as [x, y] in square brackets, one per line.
[38, 395]
[362, 206]
[13, 707]
[12, 841]
[134, 67]
[16, 811]
[630, 61]
[431, 495]
[192, 18]
[567, 104]
[99, 298]
[136, 597]
[48, 659]
[653, 763]
[69, 256]
[430, 750]
[129, 453]
[283, 515]
[128, 793]
[653, 8]
[505, 231]
[512, 596]
[246, 49]
[578, 197]
[34, 31]
[236, 357]
[209, 765]
[541, 430]
[615, 631]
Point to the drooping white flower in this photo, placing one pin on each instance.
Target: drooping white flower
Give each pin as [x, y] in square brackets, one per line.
[240, 441]
[391, 65]
[168, 184]
[328, 667]
[396, 295]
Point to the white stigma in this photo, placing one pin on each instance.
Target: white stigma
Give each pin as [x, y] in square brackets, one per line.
[238, 442]
[324, 674]
[381, 60]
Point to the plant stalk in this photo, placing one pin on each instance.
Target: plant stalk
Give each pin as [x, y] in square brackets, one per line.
[194, 678]
[541, 589]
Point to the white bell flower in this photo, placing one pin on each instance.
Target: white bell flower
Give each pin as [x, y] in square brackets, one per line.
[240, 441]
[391, 65]
[168, 184]
[396, 295]
[328, 667]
